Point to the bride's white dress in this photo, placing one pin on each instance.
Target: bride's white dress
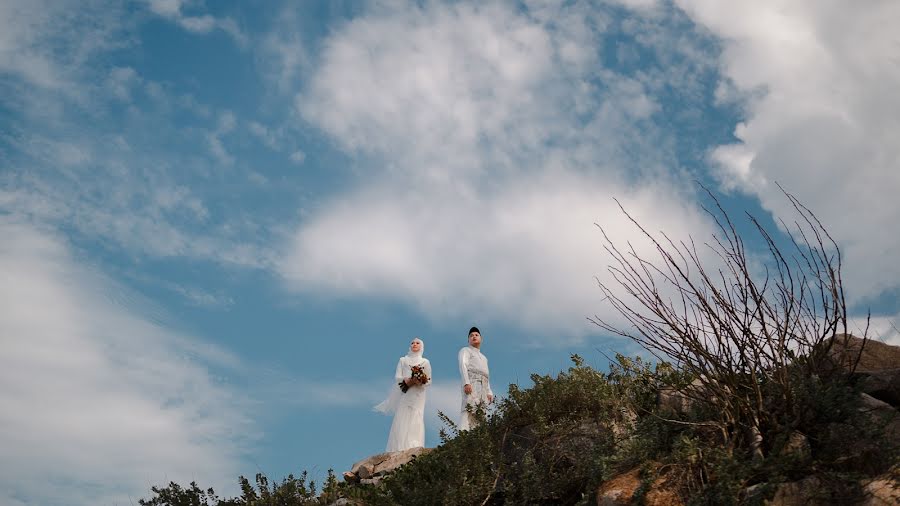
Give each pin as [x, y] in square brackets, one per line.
[408, 427]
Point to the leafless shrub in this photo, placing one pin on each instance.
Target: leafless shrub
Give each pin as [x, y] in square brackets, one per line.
[745, 327]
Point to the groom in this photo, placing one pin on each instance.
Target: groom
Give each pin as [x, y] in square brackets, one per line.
[473, 366]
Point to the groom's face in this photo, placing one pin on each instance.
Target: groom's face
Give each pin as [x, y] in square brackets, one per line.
[475, 339]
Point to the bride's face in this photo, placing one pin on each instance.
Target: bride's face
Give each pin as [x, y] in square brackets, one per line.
[415, 346]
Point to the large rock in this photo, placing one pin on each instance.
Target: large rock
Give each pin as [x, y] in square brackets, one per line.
[382, 464]
[798, 446]
[806, 491]
[673, 401]
[883, 490]
[620, 490]
[877, 366]
[883, 385]
[884, 416]
[875, 355]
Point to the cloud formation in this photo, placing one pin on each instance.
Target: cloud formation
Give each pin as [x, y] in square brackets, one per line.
[48, 43]
[494, 139]
[174, 10]
[99, 400]
[817, 83]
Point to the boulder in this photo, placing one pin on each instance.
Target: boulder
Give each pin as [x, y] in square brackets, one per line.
[884, 415]
[344, 501]
[700, 392]
[883, 385]
[381, 464]
[620, 490]
[805, 491]
[672, 400]
[798, 446]
[883, 490]
[875, 356]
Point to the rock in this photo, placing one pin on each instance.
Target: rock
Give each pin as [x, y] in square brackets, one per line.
[662, 494]
[381, 464]
[812, 490]
[623, 425]
[876, 356]
[619, 491]
[365, 468]
[804, 491]
[883, 490]
[682, 401]
[883, 385]
[671, 400]
[344, 501]
[798, 446]
[884, 415]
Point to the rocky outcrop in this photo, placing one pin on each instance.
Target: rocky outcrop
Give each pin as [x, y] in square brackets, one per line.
[621, 490]
[883, 490]
[372, 469]
[805, 491]
[883, 384]
[869, 355]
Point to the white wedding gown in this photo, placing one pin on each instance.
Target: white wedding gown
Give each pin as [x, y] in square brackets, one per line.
[408, 427]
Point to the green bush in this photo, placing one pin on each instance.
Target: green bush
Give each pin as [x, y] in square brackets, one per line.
[558, 440]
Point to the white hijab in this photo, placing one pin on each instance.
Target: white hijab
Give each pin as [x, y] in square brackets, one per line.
[415, 358]
[389, 405]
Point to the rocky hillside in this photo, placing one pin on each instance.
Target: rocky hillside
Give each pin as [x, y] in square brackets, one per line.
[639, 434]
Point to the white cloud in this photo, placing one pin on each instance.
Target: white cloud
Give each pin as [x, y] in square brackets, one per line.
[526, 255]
[226, 124]
[76, 156]
[298, 157]
[283, 53]
[819, 82]
[98, 400]
[269, 137]
[217, 149]
[134, 207]
[497, 140]
[174, 10]
[48, 43]
[121, 81]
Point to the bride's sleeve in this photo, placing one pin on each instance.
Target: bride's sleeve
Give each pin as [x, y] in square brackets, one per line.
[428, 372]
[399, 374]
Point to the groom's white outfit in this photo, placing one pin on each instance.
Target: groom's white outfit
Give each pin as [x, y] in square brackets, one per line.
[473, 368]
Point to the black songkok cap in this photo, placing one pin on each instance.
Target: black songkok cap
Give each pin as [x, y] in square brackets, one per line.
[474, 329]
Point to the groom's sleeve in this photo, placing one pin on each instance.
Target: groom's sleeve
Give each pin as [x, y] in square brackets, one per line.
[489, 391]
[464, 366]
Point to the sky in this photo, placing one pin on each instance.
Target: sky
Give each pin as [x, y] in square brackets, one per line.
[221, 223]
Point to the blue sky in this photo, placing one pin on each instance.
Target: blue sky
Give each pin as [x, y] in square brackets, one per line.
[221, 223]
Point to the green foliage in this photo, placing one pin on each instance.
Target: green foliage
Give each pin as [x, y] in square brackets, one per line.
[175, 495]
[558, 440]
[290, 492]
[552, 443]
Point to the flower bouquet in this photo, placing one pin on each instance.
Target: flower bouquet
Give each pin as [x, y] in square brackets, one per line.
[418, 375]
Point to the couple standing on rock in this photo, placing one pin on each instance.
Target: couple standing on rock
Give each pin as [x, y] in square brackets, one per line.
[407, 401]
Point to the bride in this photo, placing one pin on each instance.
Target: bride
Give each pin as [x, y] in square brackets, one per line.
[408, 404]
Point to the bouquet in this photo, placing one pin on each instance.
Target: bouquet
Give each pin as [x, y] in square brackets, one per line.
[418, 375]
